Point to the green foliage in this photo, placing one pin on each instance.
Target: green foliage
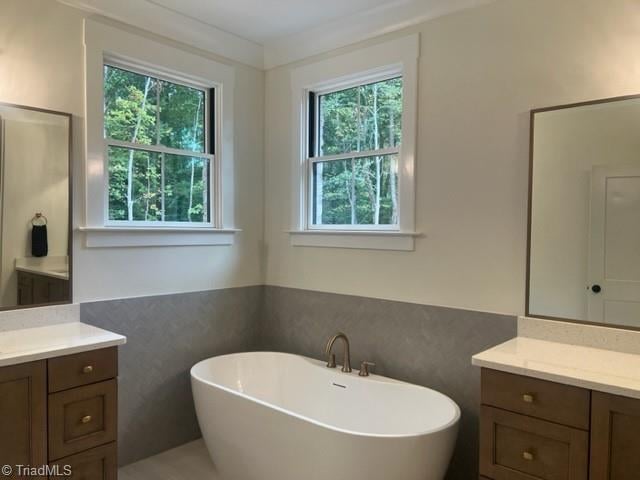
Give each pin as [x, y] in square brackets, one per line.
[361, 190]
[147, 111]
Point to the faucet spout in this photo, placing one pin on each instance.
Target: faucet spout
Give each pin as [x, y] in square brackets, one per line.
[346, 364]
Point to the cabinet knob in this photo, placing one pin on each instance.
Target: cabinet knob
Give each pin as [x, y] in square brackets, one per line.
[527, 456]
[87, 369]
[528, 397]
[86, 419]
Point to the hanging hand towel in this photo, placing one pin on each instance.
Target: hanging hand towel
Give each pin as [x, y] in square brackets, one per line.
[39, 244]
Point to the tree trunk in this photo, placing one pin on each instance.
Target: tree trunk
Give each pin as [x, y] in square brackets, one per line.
[148, 197]
[319, 186]
[352, 180]
[163, 202]
[205, 192]
[378, 159]
[193, 173]
[130, 187]
[352, 192]
[193, 165]
[136, 130]
[393, 177]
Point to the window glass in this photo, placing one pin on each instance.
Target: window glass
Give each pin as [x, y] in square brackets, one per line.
[135, 188]
[186, 188]
[362, 118]
[360, 191]
[130, 106]
[182, 117]
[155, 131]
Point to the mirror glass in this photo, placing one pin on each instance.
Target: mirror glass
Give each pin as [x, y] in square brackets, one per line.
[584, 258]
[35, 212]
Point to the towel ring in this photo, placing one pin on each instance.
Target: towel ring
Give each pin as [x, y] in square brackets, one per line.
[39, 219]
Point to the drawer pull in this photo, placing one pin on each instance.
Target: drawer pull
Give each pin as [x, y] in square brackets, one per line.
[87, 369]
[528, 398]
[527, 456]
[86, 419]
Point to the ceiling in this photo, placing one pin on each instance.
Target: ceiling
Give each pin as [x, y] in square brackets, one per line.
[263, 20]
[268, 33]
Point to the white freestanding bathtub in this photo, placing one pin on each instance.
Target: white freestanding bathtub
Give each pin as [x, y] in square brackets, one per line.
[276, 416]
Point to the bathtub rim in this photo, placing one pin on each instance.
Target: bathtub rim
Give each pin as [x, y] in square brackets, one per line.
[373, 377]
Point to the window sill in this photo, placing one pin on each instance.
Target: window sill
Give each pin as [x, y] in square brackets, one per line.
[111, 237]
[366, 240]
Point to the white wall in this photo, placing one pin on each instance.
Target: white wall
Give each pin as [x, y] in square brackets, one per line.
[41, 64]
[568, 143]
[481, 71]
[35, 179]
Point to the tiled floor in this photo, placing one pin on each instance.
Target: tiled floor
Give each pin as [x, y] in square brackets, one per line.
[188, 462]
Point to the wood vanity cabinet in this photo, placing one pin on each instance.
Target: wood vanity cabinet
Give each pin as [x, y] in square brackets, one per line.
[533, 429]
[615, 437]
[61, 412]
[36, 289]
[23, 414]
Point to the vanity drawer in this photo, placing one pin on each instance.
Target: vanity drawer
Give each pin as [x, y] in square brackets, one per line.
[82, 418]
[517, 447]
[96, 464]
[82, 369]
[550, 401]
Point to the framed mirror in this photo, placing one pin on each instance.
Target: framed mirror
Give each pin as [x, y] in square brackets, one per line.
[35, 207]
[584, 213]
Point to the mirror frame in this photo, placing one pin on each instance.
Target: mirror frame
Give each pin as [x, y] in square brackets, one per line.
[532, 118]
[69, 117]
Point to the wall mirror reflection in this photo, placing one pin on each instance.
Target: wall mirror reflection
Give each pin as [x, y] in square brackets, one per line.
[34, 207]
[584, 253]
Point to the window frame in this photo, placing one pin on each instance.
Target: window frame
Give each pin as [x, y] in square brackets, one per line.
[313, 156]
[390, 59]
[107, 44]
[210, 142]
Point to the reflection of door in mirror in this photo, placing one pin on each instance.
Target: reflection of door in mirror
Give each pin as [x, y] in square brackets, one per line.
[34, 179]
[584, 231]
[614, 253]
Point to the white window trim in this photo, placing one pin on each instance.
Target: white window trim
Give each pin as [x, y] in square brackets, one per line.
[398, 57]
[106, 44]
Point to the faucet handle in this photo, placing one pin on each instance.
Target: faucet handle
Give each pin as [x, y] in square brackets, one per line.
[364, 368]
[331, 363]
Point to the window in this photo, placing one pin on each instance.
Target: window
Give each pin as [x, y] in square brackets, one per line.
[158, 148]
[354, 142]
[159, 163]
[354, 148]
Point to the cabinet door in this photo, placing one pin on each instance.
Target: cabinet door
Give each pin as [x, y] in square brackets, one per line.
[40, 290]
[25, 289]
[58, 290]
[615, 437]
[97, 464]
[23, 415]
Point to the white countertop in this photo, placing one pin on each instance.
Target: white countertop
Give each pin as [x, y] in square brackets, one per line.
[62, 274]
[587, 367]
[30, 344]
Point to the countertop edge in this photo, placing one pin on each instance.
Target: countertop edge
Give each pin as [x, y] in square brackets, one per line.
[477, 361]
[62, 350]
[43, 272]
